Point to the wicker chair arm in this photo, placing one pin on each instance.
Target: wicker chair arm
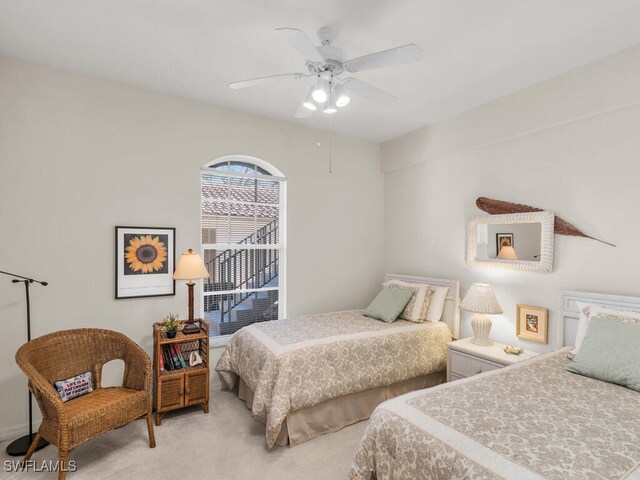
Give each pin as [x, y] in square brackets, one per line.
[138, 369]
[43, 389]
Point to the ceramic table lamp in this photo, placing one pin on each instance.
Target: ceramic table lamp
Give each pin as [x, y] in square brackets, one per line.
[481, 300]
[507, 253]
[189, 268]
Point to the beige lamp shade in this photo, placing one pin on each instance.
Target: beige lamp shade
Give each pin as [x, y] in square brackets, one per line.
[481, 299]
[190, 266]
[507, 253]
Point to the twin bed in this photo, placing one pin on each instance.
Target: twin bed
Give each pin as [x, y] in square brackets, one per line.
[312, 375]
[532, 420]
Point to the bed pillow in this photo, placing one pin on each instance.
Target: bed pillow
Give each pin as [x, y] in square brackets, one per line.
[583, 323]
[610, 352]
[416, 309]
[436, 303]
[388, 304]
[622, 315]
[75, 386]
[586, 312]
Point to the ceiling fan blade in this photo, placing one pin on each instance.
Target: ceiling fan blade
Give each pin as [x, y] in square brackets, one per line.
[303, 112]
[386, 58]
[369, 92]
[301, 43]
[262, 80]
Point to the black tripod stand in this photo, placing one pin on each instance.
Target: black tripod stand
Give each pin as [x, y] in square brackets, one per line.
[21, 445]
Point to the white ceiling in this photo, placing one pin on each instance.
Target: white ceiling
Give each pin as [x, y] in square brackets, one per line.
[475, 50]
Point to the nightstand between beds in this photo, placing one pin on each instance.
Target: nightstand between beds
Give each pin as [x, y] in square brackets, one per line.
[464, 359]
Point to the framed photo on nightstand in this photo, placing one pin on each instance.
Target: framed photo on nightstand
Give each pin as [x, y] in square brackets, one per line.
[532, 323]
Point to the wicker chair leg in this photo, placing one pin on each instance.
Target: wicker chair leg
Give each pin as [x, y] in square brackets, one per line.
[152, 437]
[62, 472]
[32, 448]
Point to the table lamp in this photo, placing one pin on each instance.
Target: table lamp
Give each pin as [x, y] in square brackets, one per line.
[481, 300]
[189, 268]
[507, 253]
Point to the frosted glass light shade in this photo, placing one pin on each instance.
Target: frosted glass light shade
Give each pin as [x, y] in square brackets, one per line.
[190, 266]
[330, 107]
[507, 253]
[342, 99]
[310, 106]
[309, 103]
[319, 94]
[481, 299]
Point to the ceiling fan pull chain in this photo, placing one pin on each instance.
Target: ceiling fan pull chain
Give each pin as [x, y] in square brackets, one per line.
[317, 133]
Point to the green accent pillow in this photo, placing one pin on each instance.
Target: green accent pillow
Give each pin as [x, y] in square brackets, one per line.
[388, 304]
[610, 352]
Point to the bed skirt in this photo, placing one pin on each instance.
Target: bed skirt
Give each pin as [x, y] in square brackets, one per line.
[332, 415]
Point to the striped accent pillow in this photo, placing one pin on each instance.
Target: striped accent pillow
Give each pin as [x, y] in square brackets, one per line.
[416, 309]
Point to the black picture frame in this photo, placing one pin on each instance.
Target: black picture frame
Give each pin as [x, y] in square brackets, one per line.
[499, 237]
[135, 283]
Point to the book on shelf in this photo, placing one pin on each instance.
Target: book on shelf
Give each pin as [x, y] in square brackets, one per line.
[178, 353]
[185, 359]
[169, 357]
[172, 356]
[167, 362]
[176, 357]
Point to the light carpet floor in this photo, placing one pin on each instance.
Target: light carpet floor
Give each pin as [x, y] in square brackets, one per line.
[226, 444]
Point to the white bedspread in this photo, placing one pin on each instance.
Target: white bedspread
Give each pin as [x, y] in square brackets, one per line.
[533, 420]
[299, 363]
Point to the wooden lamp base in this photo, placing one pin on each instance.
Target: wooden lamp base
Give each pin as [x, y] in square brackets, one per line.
[190, 327]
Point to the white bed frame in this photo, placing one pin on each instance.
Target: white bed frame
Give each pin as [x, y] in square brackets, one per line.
[568, 324]
[451, 314]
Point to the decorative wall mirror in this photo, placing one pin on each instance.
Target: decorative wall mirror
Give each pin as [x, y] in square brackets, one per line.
[519, 241]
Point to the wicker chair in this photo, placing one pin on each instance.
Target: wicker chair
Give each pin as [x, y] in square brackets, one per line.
[68, 353]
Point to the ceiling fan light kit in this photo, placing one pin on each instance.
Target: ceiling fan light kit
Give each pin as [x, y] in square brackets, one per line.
[309, 102]
[330, 107]
[319, 93]
[327, 62]
[342, 99]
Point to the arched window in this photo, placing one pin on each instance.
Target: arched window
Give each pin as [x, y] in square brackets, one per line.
[238, 167]
[242, 211]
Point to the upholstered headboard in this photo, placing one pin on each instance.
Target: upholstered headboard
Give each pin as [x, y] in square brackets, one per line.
[568, 324]
[451, 314]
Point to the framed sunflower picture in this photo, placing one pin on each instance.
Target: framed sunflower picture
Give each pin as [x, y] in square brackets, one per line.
[145, 261]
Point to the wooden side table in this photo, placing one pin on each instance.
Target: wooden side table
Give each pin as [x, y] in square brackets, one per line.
[466, 359]
[174, 389]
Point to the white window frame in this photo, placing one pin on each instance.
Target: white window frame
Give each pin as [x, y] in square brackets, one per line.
[276, 175]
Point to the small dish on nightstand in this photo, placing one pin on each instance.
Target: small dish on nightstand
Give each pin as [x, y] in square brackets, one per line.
[511, 350]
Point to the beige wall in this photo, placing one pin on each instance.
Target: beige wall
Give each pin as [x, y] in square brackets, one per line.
[569, 145]
[80, 155]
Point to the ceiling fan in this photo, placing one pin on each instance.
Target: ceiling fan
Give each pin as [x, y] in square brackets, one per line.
[326, 63]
